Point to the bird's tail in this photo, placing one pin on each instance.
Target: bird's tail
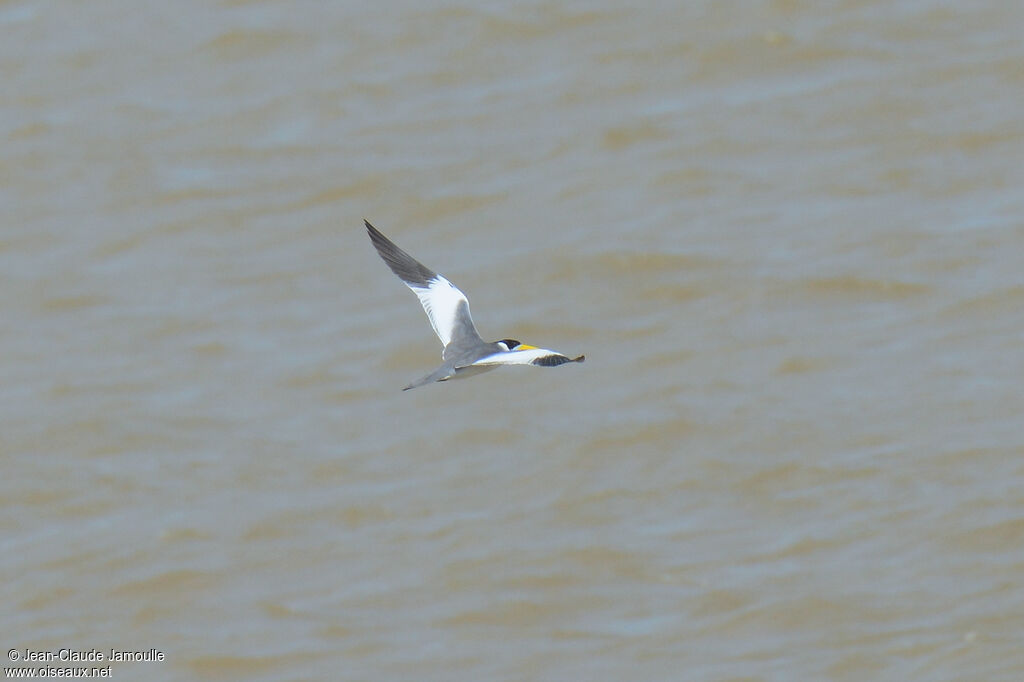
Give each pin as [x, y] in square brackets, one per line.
[440, 374]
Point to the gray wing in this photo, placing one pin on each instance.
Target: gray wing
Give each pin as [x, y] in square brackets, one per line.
[447, 308]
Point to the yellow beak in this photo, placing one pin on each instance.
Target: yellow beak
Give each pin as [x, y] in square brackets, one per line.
[523, 346]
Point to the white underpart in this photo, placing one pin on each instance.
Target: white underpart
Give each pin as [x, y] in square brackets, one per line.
[516, 357]
[440, 301]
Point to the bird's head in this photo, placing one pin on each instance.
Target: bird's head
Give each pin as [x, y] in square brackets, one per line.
[512, 344]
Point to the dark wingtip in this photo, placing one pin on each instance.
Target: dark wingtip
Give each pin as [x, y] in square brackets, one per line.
[580, 358]
[408, 269]
[554, 360]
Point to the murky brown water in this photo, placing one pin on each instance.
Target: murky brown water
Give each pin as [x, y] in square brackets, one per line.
[787, 235]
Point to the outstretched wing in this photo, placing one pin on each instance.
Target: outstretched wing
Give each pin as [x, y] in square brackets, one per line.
[533, 356]
[447, 308]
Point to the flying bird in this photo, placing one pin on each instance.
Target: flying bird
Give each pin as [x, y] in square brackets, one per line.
[465, 353]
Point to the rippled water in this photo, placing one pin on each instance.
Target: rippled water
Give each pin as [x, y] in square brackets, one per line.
[787, 236]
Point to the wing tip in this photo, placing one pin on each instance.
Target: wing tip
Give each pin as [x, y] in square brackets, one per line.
[555, 359]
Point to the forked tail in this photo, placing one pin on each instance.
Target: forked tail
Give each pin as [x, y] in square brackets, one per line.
[440, 374]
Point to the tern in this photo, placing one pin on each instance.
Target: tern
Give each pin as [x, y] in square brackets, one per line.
[465, 353]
